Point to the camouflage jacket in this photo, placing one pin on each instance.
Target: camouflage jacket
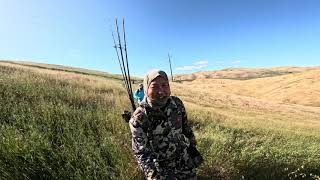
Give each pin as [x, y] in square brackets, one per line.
[159, 135]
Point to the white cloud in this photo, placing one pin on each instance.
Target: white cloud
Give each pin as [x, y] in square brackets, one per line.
[201, 63]
[236, 62]
[195, 65]
[186, 68]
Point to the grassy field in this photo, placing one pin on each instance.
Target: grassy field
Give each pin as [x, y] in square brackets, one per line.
[243, 73]
[247, 136]
[58, 124]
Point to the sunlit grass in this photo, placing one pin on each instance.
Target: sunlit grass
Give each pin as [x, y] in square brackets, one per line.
[59, 68]
[66, 125]
[62, 126]
[248, 138]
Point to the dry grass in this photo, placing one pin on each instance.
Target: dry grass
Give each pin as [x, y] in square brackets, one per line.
[82, 71]
[62, 125]
[252, 128]
[298, 88]
[236, 100]
[242, 133]
[246, 133]
[243, 73]
[301, 88]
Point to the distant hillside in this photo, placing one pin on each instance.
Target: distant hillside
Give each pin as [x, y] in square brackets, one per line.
[242, 73]
[298, 88]
[70, 69]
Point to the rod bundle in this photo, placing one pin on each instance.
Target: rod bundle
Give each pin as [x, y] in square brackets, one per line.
[123, 61]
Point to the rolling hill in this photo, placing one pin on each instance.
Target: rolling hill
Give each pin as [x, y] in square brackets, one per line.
[298, 88]
[242, 73]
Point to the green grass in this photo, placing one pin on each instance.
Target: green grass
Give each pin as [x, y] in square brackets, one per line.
[62, 125]
[255, 154]
[241, 149]
[56, 128]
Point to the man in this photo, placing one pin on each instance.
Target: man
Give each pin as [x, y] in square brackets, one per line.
[159, 130]
[139, 94]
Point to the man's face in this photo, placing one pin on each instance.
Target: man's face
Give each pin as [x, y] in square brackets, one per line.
[158, 88]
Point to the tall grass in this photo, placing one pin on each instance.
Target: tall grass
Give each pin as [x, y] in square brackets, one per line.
[58, 127]
[243, 139]
[63, 125]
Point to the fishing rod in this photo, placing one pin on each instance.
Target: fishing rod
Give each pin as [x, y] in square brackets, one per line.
[125, 50]
[124, 66]
[123, 76]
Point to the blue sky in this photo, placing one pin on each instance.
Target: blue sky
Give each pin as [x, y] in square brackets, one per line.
[199, 34]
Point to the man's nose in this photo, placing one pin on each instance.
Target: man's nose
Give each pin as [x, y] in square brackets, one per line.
[161, 90]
